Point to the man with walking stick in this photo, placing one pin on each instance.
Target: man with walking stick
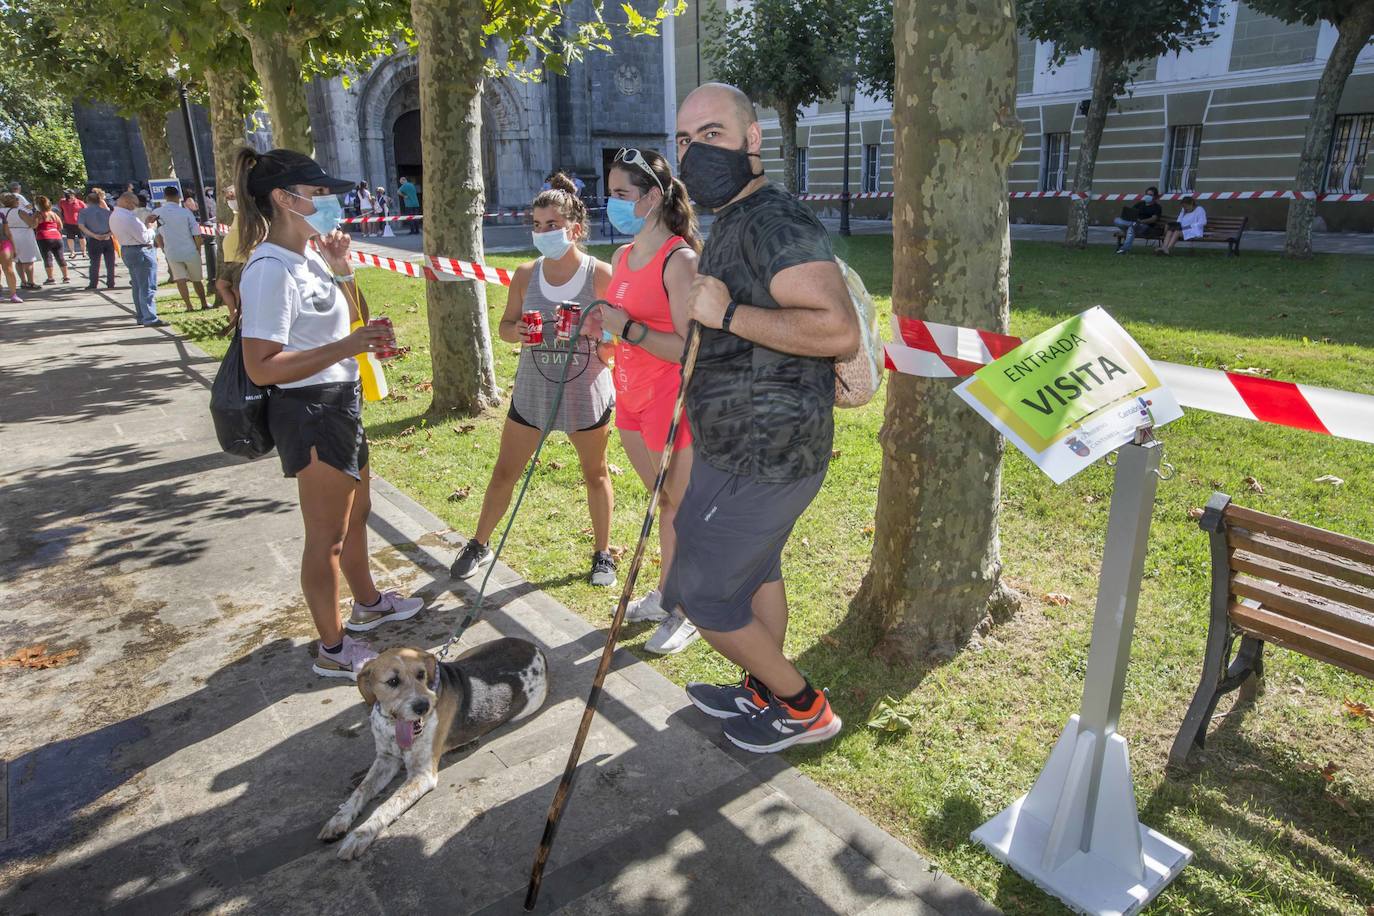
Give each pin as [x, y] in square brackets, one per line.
[775, 313]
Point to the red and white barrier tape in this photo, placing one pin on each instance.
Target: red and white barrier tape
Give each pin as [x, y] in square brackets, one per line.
[216, 229]
[1329, 197]
[467, 270]
[410, 217]
[931, 350]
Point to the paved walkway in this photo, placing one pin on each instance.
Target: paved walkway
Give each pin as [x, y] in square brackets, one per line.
[185, 758]
[504, 237]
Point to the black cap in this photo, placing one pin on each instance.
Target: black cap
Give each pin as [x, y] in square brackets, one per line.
[285, 168]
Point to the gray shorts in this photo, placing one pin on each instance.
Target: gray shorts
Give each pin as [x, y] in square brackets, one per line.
[730, 534]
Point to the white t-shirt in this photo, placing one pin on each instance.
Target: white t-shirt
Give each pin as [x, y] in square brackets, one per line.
[293, 300]
[128, 229]
[1194, 224]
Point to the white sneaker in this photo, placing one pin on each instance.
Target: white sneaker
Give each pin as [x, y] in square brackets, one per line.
[650, 607]
[347, 662]
[391, 607]
[672, 636]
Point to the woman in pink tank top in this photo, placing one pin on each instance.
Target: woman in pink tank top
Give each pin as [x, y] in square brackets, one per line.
[648, 313]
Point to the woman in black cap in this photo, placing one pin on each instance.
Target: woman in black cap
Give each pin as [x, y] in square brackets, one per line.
[296, 320]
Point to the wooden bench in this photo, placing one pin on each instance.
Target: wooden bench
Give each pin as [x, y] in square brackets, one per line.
[1225, 230]
[1275, 580]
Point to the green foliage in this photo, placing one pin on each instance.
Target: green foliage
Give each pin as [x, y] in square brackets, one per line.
[874, 55]
[539, 37]
[1119, 32]
[1309, 12]
[784, 53]
[38, 142]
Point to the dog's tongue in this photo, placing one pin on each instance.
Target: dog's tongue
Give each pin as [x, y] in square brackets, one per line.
[405, 733]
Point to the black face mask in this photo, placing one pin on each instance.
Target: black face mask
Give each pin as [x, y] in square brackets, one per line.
[714, 174]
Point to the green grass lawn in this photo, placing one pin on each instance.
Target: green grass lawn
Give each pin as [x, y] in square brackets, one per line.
[1271, 833]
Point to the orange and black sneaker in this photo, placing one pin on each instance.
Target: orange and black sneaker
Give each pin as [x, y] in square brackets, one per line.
[726, 701]
[778, 726]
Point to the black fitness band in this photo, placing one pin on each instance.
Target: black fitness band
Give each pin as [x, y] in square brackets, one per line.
[729, 315]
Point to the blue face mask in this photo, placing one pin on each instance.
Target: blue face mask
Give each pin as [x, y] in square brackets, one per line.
[622, 216]
[552, 244]
[328, 213]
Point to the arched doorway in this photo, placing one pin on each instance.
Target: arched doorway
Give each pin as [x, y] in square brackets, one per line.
[405, 134]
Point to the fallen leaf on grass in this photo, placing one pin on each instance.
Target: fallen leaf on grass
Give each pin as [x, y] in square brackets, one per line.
[1196, 512]
[1330, 770]
[1254, 485]
[425, 386]
[1329, 478]
[408, 431]
[805, 542]
[835, 453]
[422, 452]
[1254, 370]
[556, 465]
[37, 658]
[886, 717]
[1357, 710]
[1059, 600]
[397, 396]
[614, 469]
[1092, 498]
[616, 551]
[460, 494]
[830, 641]
[464, 428]
[868, 531]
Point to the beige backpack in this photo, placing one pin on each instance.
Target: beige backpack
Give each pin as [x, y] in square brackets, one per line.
[858, 375]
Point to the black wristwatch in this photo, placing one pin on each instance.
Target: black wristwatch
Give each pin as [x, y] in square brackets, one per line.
[729, 316]
[625, 331]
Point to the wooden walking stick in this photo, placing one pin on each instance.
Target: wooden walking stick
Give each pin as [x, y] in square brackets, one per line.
[560, 798]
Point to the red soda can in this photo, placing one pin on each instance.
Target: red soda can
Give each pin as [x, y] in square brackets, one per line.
[534, 326]
[569, 313]
[389, 352]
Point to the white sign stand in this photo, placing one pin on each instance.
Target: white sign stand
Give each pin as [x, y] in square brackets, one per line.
[1076, 834]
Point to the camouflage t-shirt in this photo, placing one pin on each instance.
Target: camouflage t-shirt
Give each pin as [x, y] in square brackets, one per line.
[756, 412]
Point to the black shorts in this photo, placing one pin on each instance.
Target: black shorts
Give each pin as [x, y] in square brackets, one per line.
[514, 416]
[327, 418]
[71, 231]
[730, 534]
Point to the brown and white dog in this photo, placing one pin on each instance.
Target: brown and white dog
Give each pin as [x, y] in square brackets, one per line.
[422, 708]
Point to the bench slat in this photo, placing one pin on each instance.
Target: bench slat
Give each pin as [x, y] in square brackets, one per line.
[1306, 557]
[1312, 609]
[1313, 642]
[1308, 536]
[1302, 580]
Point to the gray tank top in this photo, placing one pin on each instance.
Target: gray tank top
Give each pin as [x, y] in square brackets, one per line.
[589, 391]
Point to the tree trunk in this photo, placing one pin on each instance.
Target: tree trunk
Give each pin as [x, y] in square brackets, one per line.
[225, 89]
[152, 125]
[787, 124]
[936, 566]
[449, 33]
[278, 67]
[1353, 34]
[1105, 74]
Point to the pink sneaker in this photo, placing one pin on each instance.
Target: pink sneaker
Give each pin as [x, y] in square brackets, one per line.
[347, 662]
[390, 607]
[14, 297]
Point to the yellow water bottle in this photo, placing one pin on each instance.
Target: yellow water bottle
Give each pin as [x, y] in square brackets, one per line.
[371, 374]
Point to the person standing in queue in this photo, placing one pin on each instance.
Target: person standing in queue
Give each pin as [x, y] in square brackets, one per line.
[775, 313]
[562, 273]
[296, 319]
[648, 296]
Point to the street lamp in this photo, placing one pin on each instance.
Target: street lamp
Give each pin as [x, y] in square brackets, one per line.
[847, 100]
[174, 72]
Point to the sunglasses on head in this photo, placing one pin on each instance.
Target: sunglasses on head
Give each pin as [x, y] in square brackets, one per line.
[636, 158]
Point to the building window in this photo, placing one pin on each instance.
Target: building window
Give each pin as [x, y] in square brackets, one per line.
[801, 170]
[1185, 145]
[1349, 155]
[871, 168]
[1055, 162]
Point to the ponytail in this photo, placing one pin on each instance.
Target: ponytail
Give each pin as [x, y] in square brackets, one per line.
[679, 216]
[255, 212]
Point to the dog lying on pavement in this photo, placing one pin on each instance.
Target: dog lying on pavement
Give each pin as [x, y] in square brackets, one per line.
[421, 709]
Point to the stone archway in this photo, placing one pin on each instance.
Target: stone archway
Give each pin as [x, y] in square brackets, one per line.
[389, 91]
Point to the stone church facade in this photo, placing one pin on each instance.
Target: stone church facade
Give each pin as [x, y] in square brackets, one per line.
[367, 126]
